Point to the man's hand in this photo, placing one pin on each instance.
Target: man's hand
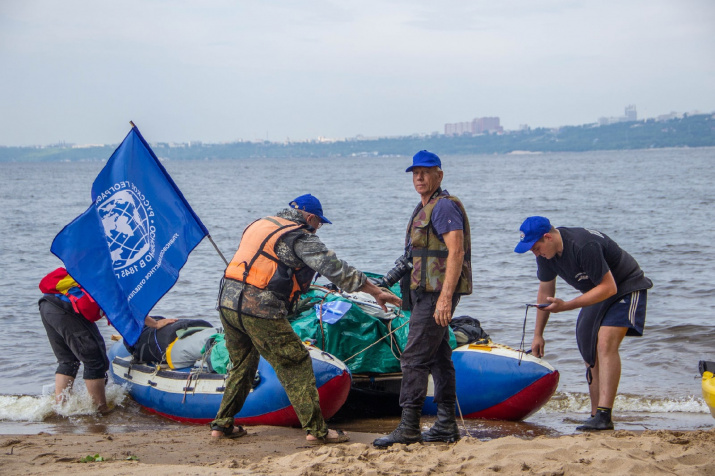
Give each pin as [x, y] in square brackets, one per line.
[380, 295]
[537, 346]
[163, 322]
[384, 297]
[556, 305]
[157, 324]
[443, 311]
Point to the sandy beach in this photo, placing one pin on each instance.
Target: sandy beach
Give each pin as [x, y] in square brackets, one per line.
[277, 450]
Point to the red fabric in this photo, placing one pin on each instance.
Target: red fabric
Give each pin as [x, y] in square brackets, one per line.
[82, 302]
[48, 284]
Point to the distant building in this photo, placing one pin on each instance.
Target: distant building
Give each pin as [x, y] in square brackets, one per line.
[631, 116]
[480, 125]
[668, 117]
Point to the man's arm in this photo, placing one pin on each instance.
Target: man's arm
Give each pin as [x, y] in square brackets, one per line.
[547, 289]
[605, 289]
[454, 240]
[315, 255]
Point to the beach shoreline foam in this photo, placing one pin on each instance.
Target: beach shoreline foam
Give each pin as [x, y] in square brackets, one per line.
[278, 450]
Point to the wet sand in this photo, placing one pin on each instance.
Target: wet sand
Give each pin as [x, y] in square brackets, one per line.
[277, 450]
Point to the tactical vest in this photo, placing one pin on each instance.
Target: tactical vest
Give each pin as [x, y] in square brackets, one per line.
[256, 262]
[429, 254]
[60, 283]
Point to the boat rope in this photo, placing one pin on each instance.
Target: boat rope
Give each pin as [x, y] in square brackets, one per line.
[523, 334]
[390, 332]
[192, 377]
[157, 369]
[378, 340]
[320, 316]
[393, 341]
[461, 416]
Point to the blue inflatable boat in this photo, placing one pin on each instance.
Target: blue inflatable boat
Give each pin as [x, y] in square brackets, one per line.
[194, 396]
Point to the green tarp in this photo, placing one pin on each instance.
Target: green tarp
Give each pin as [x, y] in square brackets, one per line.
[354, 332]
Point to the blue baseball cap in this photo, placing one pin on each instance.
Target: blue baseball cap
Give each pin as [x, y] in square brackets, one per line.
[424, 158]
[310, 204]
[532, 230]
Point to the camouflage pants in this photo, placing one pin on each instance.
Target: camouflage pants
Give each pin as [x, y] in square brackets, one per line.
[275, 340]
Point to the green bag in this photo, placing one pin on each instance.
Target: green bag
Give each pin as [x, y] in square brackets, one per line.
[354, 337]
[219, 360]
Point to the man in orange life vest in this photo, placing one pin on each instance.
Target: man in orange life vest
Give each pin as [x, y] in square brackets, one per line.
[69, 314]
[276, 261]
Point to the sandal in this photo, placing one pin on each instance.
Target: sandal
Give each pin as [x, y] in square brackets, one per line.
[228, 431]
[342, 437]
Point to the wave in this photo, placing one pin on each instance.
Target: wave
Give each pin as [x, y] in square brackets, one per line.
[37, 408]
[580, 402]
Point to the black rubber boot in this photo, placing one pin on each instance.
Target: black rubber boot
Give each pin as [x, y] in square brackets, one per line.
[601, 421]
[445, 429]
[407, 432]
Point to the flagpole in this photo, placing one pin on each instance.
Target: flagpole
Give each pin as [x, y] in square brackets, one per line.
[217, 250]
[207, 235]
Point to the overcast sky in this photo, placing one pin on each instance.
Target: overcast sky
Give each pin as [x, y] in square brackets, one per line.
[220, 71]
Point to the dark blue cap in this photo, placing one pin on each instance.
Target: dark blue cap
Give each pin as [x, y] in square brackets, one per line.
[310, 204]
[424, 158]
[532, 230]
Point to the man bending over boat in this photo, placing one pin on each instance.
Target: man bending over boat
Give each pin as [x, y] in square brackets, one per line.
[613, 302]
[276, 261]
[69, 314]
[438, 242]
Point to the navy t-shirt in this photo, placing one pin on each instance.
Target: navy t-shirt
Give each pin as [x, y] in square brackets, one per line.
[446, 217]
[587, 256]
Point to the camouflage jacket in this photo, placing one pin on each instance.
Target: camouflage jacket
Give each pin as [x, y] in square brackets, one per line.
[296, 249]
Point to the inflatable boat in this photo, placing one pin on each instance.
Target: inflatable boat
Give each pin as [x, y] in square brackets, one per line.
[707, 369]
[192, 396]
[494, 381]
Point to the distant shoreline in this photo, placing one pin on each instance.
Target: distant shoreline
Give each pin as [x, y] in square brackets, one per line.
[687, 132]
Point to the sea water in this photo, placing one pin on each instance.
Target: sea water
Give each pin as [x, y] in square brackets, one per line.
[657, 204]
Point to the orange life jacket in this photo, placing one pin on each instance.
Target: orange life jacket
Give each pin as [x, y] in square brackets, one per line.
[257, 264]
[61, 283]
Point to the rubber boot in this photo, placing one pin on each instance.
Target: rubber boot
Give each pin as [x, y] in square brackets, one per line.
[445, 428]
[407, 432]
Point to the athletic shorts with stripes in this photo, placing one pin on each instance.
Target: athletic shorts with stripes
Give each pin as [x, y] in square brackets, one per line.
[629, 311]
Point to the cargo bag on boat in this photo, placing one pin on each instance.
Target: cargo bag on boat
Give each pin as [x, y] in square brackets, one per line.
[217, 357]
[350, 336]
[468, 330]
[152, 345]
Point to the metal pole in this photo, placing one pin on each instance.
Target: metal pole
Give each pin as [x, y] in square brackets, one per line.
[217, 250]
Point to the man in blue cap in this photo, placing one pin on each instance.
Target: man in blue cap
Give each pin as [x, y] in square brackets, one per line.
[613, 303]
[276, 261]
[439, 245]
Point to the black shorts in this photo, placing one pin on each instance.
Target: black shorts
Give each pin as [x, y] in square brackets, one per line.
[629, 311]
[73, 339]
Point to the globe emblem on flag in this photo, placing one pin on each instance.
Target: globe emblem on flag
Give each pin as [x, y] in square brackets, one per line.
[126, 226]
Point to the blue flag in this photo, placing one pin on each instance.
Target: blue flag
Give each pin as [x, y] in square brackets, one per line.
[127, 249]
